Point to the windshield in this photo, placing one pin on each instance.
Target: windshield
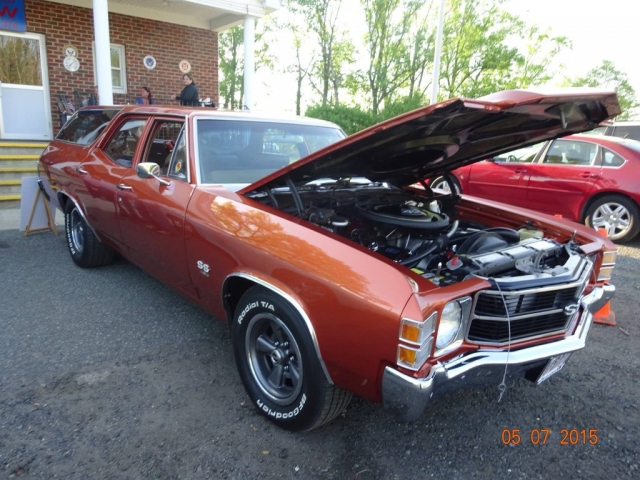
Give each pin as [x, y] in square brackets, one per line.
[241, 151]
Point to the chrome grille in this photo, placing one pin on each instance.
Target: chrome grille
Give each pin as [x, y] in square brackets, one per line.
[531, 312]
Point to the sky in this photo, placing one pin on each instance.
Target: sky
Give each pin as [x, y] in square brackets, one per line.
[598, 31]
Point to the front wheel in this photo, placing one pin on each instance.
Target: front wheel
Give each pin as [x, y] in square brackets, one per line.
[278, 365]
[85, 248]
[617, 215]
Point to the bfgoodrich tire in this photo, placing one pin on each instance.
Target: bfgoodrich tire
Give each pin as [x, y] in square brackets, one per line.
[278, 364]
[617, 214]
[85, 249]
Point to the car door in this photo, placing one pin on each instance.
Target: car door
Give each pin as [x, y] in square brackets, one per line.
[503, 178]
[102, 171]
[562, 179]
[151, 211]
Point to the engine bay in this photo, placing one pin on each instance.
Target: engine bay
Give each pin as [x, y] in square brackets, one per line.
[425, 233]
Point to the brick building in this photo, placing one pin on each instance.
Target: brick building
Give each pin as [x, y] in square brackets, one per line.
[152, 42]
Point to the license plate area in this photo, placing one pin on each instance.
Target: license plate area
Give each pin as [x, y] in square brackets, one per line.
[554, 365]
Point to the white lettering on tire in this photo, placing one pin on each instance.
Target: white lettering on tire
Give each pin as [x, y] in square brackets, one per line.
[285, 415]
[69, 240]
[246, 310]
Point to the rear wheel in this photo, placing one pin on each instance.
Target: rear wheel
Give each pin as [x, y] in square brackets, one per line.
[441, 183]
[85, 248]
[278, 365]
[617, 215]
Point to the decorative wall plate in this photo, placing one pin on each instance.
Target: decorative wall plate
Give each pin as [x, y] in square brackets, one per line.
[70, 51]
[184, 66]
[149, 62]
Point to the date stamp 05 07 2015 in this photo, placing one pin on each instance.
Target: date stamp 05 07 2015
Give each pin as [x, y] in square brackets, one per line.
[541, 436]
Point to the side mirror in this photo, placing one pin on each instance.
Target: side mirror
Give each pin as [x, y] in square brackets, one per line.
[150, 169]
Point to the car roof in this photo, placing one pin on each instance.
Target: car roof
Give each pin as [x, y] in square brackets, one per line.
[215, 113]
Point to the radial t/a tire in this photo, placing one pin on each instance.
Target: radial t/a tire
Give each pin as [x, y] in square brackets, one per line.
[278, 364]
[84, 247]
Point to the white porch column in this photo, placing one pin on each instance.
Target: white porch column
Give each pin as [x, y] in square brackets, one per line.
[103, 51]
[249, 62]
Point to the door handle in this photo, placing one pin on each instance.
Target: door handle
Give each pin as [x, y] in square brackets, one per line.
[81, 171]
[588, 175]
[521, 170]
[122, 186]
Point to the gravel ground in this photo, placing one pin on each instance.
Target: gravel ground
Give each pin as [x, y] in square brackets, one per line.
[106, 373]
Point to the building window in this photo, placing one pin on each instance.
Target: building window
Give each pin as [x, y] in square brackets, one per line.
[118, 69]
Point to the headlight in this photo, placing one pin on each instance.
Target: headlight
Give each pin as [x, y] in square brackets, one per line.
[450, 322]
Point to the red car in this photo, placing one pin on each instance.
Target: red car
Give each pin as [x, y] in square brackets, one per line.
[335, 274]
[593, 180]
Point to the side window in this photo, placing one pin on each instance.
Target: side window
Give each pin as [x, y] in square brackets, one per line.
[178, 164]
[571, 152]
[86, 126]
[122, 145]
[611, 159]
[164, 139]
[522, 155]
[627, 132]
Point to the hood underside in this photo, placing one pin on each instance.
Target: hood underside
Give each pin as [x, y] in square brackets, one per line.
[438, 138]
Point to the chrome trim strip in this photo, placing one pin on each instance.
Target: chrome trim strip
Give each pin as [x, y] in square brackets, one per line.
[293, 303]
[518, 317]
[408, 396]
[62, 192]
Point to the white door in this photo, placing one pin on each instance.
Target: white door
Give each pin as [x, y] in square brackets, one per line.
[25, 107]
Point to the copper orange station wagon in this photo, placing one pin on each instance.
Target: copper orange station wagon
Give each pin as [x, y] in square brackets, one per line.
[338, 270]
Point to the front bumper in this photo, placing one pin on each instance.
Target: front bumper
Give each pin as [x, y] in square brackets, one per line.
[408, 396]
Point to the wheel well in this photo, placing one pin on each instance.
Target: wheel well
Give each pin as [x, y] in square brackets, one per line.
[232, 291]
[588, 204]
[63, 199]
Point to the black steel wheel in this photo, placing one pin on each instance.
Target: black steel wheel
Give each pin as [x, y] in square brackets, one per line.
[278, 363]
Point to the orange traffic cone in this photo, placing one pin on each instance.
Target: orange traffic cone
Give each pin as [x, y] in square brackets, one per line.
[605, 316]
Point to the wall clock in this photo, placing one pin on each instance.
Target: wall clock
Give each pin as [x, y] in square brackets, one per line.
[71, 63]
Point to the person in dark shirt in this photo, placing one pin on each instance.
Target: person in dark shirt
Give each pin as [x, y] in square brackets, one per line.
[189, 95]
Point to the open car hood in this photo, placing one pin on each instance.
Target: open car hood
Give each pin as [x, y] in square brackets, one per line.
[438, 138]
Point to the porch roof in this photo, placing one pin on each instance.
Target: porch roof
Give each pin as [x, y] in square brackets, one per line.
[216, 15]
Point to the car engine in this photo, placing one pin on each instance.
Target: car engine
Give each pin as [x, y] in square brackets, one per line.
[422, 234]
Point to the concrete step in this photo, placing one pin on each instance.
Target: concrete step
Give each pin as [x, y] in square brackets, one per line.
[21, 148]
[19, 162]
[10, 189]
[9, 201]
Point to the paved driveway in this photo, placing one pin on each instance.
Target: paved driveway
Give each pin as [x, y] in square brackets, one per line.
[106, 373]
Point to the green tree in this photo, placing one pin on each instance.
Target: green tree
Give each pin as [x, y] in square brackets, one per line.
[388, 39]
[607, 76]
[475, 57]
[321, 17]
[535, 65]
[231, 64]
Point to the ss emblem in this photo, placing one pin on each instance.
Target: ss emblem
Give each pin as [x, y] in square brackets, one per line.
[204, 268]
